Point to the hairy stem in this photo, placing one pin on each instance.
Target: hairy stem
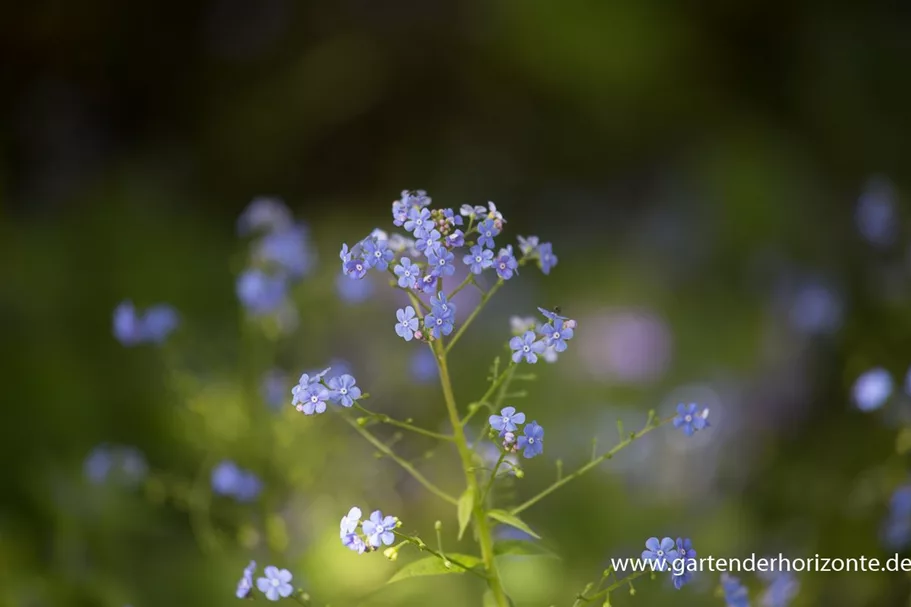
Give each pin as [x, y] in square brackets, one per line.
[474, 313]
[481, 524]
[592, 464]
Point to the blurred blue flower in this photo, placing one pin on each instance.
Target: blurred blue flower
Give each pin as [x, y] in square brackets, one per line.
[908, 383]
[276, 584]
[478, 259]
[379, 529]
[423, 366]
[532, 441]
[685, 553]
[872, 389]
[876, 214]
[245, 585]
[343, 390]
[407, 323]
[735, 594]
[274, 388]
[815, 309]
[229, 480]
[690, 419]
[546, 258]
[407, 272]
[896, 533]
[660, 552]
[781, 590]
[123, 464]
[507, 420]
[353, 291]
[131, 328]
[288, 249]
[98, 464]
[529, 245]
[526, 347]
[487, 230]
[263, 214]
[260, 293]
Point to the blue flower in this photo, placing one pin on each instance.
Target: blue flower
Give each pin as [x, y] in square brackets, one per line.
[428, 283]
[353, 291]
[399, 213]
[506, 421]
[532, 441]
[872, 389]
[354, 542]
[546, 257]
[350, 522]
[660, 553]
[556, 337]
[472, 211]
[98, 464]
[441, 261]
[428, 241]
[690, 419]
[125, 464]
[314, 399]
[552, 316]
[735, 594]
[259, 292]
[681, 570]
[299, 392]
[877, 219]
[441, 306]
[248, 487]
[455, 239]
[416, 198]
[423, 366]
[452, 218]
[287, 248]
[273, 388]
[506, 264]
[407, 272]
[438, 325]
[377, 254]
[230, 480]
[478, 259]
[407, 324]
[131, 328]
[418, 222]
[379, 530]
[245, 585]
[526, 346]
[276, 584]
[528, 245]
[159, 321]
[343, 390]
[487, 229]
[356, 269]
[782, 589]
[263, 214]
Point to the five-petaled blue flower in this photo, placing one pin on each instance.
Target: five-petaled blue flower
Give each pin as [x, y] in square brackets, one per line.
[427, 242]
[354, 542]
[428, 283]
[556, 336]
[546, 257]
[440, 262]
[478, 259]
[343, 390]
[350, 522]
[356, 269]
[526, 346]
[438, 325]
[407, 324]
[379, 530]
[681, 568]
[313, 400]
[735, 594]
[506, 264]
[407, 273]
[532, 441]
[377, 254]
[441, 306]
[276, 584]
[528, 245]
[399, 213]
[455, 239]
[487, 229]
[418, 222]
[660, 553]
[245, 585]
[690, 419]
[506, 421]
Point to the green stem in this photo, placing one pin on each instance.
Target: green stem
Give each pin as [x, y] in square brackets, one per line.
[507, 372]
[474, 313]
[383, 418]
[424, 547]
[618, 584]
[493, 476]
[592, 464]
[468, 280]
[385, 450]
[482, 527]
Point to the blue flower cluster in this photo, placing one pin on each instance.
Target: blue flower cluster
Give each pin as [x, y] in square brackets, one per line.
[674, 556]
[280, 254]
[275, 585]
[376, 531]
[230, 480]
[506, 424]
[735, 594]
[153, 326]
[897, 526]
[550, 336]
[690, 419]
[117, 462]
[311, 394]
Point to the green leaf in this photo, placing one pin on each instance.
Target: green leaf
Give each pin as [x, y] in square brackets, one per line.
[433, 565]
[513, 521]
[521, 548]
[903, 441]
[466, 503]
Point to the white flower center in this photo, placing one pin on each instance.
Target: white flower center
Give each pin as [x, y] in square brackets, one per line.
[526, 348]
[478, 259]
[688, 418]
[343, 391]
[531, 441]
[380, 529]
[439, 321]
[660, 553]
[442, 262]
[314, 399]
[276, 582]
[419, 221]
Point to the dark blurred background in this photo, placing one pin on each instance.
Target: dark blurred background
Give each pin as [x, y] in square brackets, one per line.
[726, 189]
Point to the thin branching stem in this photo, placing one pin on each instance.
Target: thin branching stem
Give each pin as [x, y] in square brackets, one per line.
[385, 419]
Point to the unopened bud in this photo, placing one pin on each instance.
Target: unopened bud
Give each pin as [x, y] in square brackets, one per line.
[569, 324]
[362, 421]
[508, 438]
[447, 564]
[391, 553]
[520, 473]
[438, 525]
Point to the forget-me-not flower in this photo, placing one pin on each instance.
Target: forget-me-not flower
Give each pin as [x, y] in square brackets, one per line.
[377, 254]
[455, 239]
[681, 570]
[546, 257]
[438, 325]
[350, 522]
[532, 441]
[735, 593]
[245, 585]
[556, 336]
[506, 264]
[379, 529]
[872, 389]
[354, 542]
[286, 248]
[313, 400]
[690, 419]
[276, 584]
[661, 553]
[429, 239]
[407, 323]
[260, 293]
[441, 306]
[418, 222]
[526, 347]
[478, 259]
[264, 214]
[343, 390]
[506, 421]
[528, 245]
[407, 272]
[440, 262]
[487, 229]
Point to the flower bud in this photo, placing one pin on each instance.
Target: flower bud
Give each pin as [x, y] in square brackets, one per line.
[391, 553]
[519, 473]
[569, 324]
[508, 438]
[438, 525]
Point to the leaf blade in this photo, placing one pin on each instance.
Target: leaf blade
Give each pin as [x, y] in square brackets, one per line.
[433, 565]
[513, 521]
[465, 506]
